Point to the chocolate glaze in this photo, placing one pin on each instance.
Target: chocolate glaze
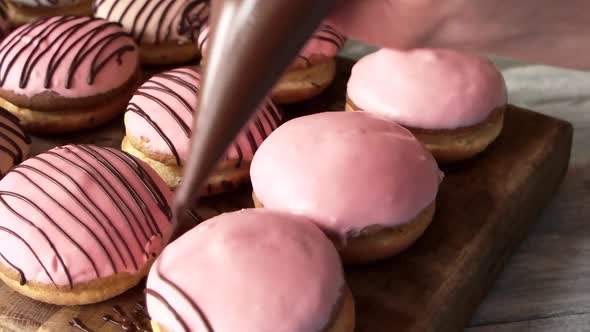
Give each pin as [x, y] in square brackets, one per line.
[192, 17]
[58, 51]
[238, 57]
[73, 155]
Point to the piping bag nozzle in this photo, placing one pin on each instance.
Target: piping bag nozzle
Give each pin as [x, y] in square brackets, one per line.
[251, 44]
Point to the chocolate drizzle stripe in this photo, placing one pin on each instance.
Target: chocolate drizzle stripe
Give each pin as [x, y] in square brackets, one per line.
[20, 238]
[81, 206]
[92, 42]
[102, 184]
[185, 128]
[192, 16]
[76, 219]
[21, 275]
[43, 234]
[93, 204]
[51, 221]
[169, 307]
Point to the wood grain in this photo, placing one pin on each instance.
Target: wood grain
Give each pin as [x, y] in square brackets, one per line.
[485, 208]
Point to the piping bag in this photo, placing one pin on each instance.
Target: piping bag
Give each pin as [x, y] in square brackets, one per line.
[252, 43]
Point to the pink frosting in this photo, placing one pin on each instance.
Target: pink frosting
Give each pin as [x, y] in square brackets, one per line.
[103, 51]
[48, 200]
[427, 88]
[326, 42]
[346, 171]
[155, 21]
[252, 270]
[169, 101]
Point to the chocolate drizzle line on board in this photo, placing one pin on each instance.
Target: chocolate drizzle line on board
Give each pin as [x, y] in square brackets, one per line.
[136, 321]
[107, 178]
[192, 15]
[184, 295]
[77, 324]
[265, 121]
[96, 37]
[13, 134]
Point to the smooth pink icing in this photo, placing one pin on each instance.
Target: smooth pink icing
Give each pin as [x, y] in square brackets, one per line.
[251, 270]
[427, 88]
[160, 107]
[326, 42]
[46, 3]
[151, 21]
[80, 268]
[346, 171]
[114, 74]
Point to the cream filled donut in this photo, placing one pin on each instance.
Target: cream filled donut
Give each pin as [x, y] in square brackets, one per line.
[67, 73]
[367, 182]
[159, 121]
[453, 102]
[27, 11]
[80, 224]
[251, 270]
[15, 144]
[312, 71]
[166, 30]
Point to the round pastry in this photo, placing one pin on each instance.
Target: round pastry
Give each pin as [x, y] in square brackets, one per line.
[251, 270]
[67, 73]
[159, 123]
[166, 30]
[15, 144]
[453, 102]
[80, 224]
[28, 11]
[367, 182]
[311, 72]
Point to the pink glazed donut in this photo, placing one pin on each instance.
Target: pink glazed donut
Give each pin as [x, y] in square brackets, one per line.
[367, 182]
[453, 102]
[166, 30]
[28, 11]
[312, 71]
[80, 224]
[67, 73]
[159, 122]
[251, 270]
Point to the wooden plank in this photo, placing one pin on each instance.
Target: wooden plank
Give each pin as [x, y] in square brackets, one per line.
[569, 323]
[484, 209]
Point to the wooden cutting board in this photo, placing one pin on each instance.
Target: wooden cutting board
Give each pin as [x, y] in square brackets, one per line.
[484, 209]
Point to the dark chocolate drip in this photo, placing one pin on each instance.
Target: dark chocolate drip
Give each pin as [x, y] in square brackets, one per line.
[70, 214]
[102, 184]
[184, 295]
[192, 16]
[136, 321]
[38, 229]
[20, 238]
[92, 43]
[21, 275]
[90, 202]
[77, 324]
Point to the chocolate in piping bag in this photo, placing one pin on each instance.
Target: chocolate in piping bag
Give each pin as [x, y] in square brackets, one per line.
[251, 45]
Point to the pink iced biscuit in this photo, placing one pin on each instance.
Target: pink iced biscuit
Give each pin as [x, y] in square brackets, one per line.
[252, 270]
[161, 116]
[80, 213]
[325, 43]
[72, 57]
[427, 88]
[156, 21]
[345, 170]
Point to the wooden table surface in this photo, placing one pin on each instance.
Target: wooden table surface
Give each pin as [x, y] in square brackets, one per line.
[545, 286]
